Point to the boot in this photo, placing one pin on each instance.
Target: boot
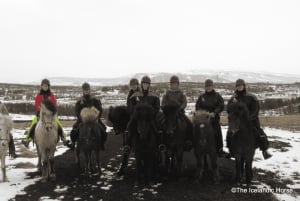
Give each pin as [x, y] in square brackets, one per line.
[266, 154]
[12, 148]
[221, 153]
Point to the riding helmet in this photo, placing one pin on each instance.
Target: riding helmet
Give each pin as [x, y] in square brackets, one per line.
[45, 81]
[133, 81]
[86, 86]
[174, 79]
[208, 83]
[240, 82]
[146, 79]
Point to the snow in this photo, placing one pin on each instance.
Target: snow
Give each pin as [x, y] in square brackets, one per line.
[284, 164]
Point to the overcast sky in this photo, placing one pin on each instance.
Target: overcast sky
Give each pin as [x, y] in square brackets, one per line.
[110, 38]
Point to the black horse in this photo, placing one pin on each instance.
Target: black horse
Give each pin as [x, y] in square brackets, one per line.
[119, 116]
[89, 139]
[241, 139]
[143, 137]
[204, 145]
[176, 136]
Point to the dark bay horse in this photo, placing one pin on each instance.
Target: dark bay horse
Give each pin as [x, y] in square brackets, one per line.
[89, 139]
[242, 139]
[175, 137]
[143, 138]
[204, 145]
[119, 116]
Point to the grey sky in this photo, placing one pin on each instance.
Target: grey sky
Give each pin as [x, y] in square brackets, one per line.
[111, 38]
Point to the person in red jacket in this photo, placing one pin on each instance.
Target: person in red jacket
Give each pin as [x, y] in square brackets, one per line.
[45, 93]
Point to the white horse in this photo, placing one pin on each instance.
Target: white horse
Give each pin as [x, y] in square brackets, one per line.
[6, 125]
[46, 138]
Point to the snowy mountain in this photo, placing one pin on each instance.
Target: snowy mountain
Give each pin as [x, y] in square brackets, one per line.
[188, 76]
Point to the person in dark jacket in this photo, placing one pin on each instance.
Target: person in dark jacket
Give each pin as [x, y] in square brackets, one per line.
[212, 102]
[87, 100]
[250, 100]
[134, 87]
[175, 94]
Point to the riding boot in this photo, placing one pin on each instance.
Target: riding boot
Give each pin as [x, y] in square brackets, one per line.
[29, 136]
[103, 135]
[263, 143]
[12, 148]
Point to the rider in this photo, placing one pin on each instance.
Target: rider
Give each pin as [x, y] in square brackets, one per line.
[44, 94]
[134, 87]
[250, 100]
[87, 100]
[212, 102]
[143, 96]
[175, 94]
[11, 145]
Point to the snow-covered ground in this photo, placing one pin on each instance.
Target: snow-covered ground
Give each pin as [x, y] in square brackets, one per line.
[285, 164]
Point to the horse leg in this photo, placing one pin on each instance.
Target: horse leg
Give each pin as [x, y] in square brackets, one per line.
[4, 177]
[52, 171]
[215, 168]
[98, 162]
[242, 167]
[124, 164]
[78, 157]
[249, 173]
[238, 167]
[44, 170]
[39, 165]
[139, 167]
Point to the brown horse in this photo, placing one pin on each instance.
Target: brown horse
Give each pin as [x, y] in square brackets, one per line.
[89, 139]
[242, 139]
[204, 145]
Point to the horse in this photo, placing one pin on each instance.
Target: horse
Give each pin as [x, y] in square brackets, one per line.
[46, 138]
[119, 116]
[143, 137]
[175, 137]
[241, 139]
[204, 145]
[89, 138]
[6, 125]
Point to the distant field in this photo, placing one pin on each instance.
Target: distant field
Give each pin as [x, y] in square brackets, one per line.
[287, 122]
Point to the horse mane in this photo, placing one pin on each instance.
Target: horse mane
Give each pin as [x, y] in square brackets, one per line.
[50, 106]
[118, 113]
[239, 109]
[144, 112]
[89, 114]
[200, 116]
[170, 106]
[6, 120]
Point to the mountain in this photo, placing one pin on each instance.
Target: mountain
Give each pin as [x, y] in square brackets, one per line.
[188, 76]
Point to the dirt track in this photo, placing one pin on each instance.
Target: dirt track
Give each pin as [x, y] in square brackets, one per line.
[70, 185]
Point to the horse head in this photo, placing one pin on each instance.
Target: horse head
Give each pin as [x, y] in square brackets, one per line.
[119, 117]
[5, 127]
[144, 115]
[171, 111]
[48, 114]
[238, 114]
[202, 127]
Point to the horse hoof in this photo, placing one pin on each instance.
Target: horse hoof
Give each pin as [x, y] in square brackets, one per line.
[53, 177]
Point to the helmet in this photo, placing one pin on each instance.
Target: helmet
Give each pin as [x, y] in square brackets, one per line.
[208, 83]
[146, 79]
[133, 81]
[86, 86]
[174, 79]
[45, 81]
[240, 82]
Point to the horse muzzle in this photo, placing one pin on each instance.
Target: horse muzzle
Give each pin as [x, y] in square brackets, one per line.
[233, 130]
[162, 147]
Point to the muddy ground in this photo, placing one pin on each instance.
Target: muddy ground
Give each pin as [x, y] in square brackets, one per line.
[70, 184]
